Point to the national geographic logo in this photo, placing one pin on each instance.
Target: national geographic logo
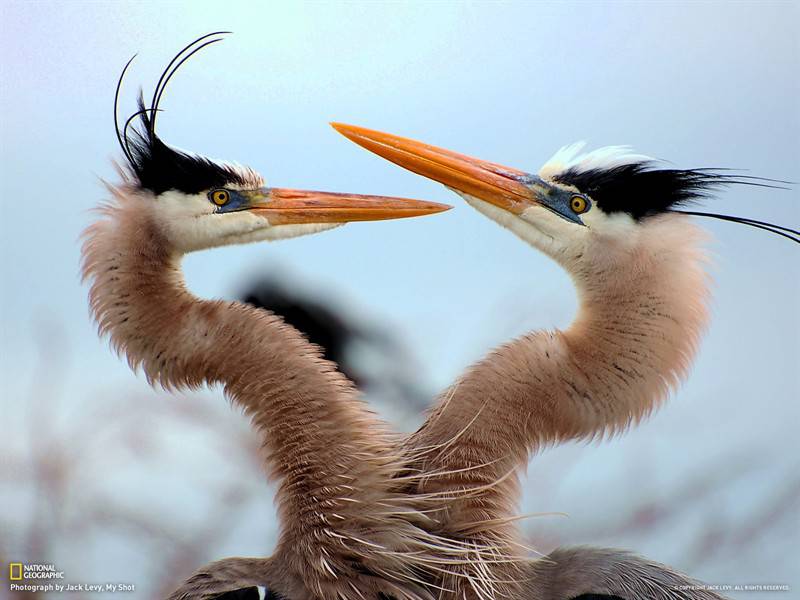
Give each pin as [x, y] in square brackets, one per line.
[20, 571]
[45, 578]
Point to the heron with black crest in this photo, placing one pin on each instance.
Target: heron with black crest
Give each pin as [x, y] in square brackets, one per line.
[621, 226]
[335, 461]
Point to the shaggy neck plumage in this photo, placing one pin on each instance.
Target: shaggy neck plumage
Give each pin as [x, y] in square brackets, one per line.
[332, 457]
[640, 317]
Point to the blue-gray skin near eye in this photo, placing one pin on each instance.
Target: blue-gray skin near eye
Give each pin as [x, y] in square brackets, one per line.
[237, 201]
[554, 198]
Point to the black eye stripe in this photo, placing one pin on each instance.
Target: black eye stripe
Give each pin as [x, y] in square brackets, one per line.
[641, 189]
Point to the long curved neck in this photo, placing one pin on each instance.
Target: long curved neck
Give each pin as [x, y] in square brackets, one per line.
[637, 329]
[331, 455]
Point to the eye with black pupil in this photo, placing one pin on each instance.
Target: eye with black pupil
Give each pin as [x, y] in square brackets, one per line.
[220, 197]
[579, 204]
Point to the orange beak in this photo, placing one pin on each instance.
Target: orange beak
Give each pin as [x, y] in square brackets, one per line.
[285, 207]
[507, 188]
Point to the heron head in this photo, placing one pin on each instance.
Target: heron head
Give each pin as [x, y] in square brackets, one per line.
[201, 203]
[580, 208]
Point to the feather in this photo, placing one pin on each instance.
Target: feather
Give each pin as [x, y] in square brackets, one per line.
[154, 165]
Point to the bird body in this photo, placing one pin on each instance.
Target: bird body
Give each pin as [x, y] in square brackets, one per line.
[614, 222]
[330, 454]
[587, 573]
[364, 514]
[632, 341]
[335, 462]
[641, 313]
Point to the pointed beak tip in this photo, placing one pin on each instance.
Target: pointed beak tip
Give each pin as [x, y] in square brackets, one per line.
[435, 207]
[421, 208]
[348, 131]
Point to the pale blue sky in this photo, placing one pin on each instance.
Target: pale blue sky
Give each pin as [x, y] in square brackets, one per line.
[700, 84]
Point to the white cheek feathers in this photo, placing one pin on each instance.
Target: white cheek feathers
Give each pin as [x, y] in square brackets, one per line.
[537, 226]
[619, 227]
[191, 223]
[180, 216]
[618, 223]
[270, 233]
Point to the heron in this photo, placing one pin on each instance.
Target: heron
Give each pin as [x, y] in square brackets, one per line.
[333, 458]
[620, 224]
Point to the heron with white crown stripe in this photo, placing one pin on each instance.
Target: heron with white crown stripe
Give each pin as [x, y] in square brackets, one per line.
[621, 225]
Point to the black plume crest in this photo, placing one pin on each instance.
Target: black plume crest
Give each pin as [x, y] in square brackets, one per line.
[155, 165]
[641, 190]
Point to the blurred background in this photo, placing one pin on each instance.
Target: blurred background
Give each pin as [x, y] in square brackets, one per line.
[114, 482]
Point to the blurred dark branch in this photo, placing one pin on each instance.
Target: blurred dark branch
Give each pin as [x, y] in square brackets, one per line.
[340, 336]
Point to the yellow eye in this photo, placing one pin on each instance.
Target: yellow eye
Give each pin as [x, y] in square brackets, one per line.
[578, 204]
[220, 197]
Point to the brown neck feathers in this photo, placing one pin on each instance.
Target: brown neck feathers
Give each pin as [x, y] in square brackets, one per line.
[334, 460]
[640, 318]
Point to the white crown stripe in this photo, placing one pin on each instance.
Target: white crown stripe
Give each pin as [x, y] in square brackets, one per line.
[573, 157]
